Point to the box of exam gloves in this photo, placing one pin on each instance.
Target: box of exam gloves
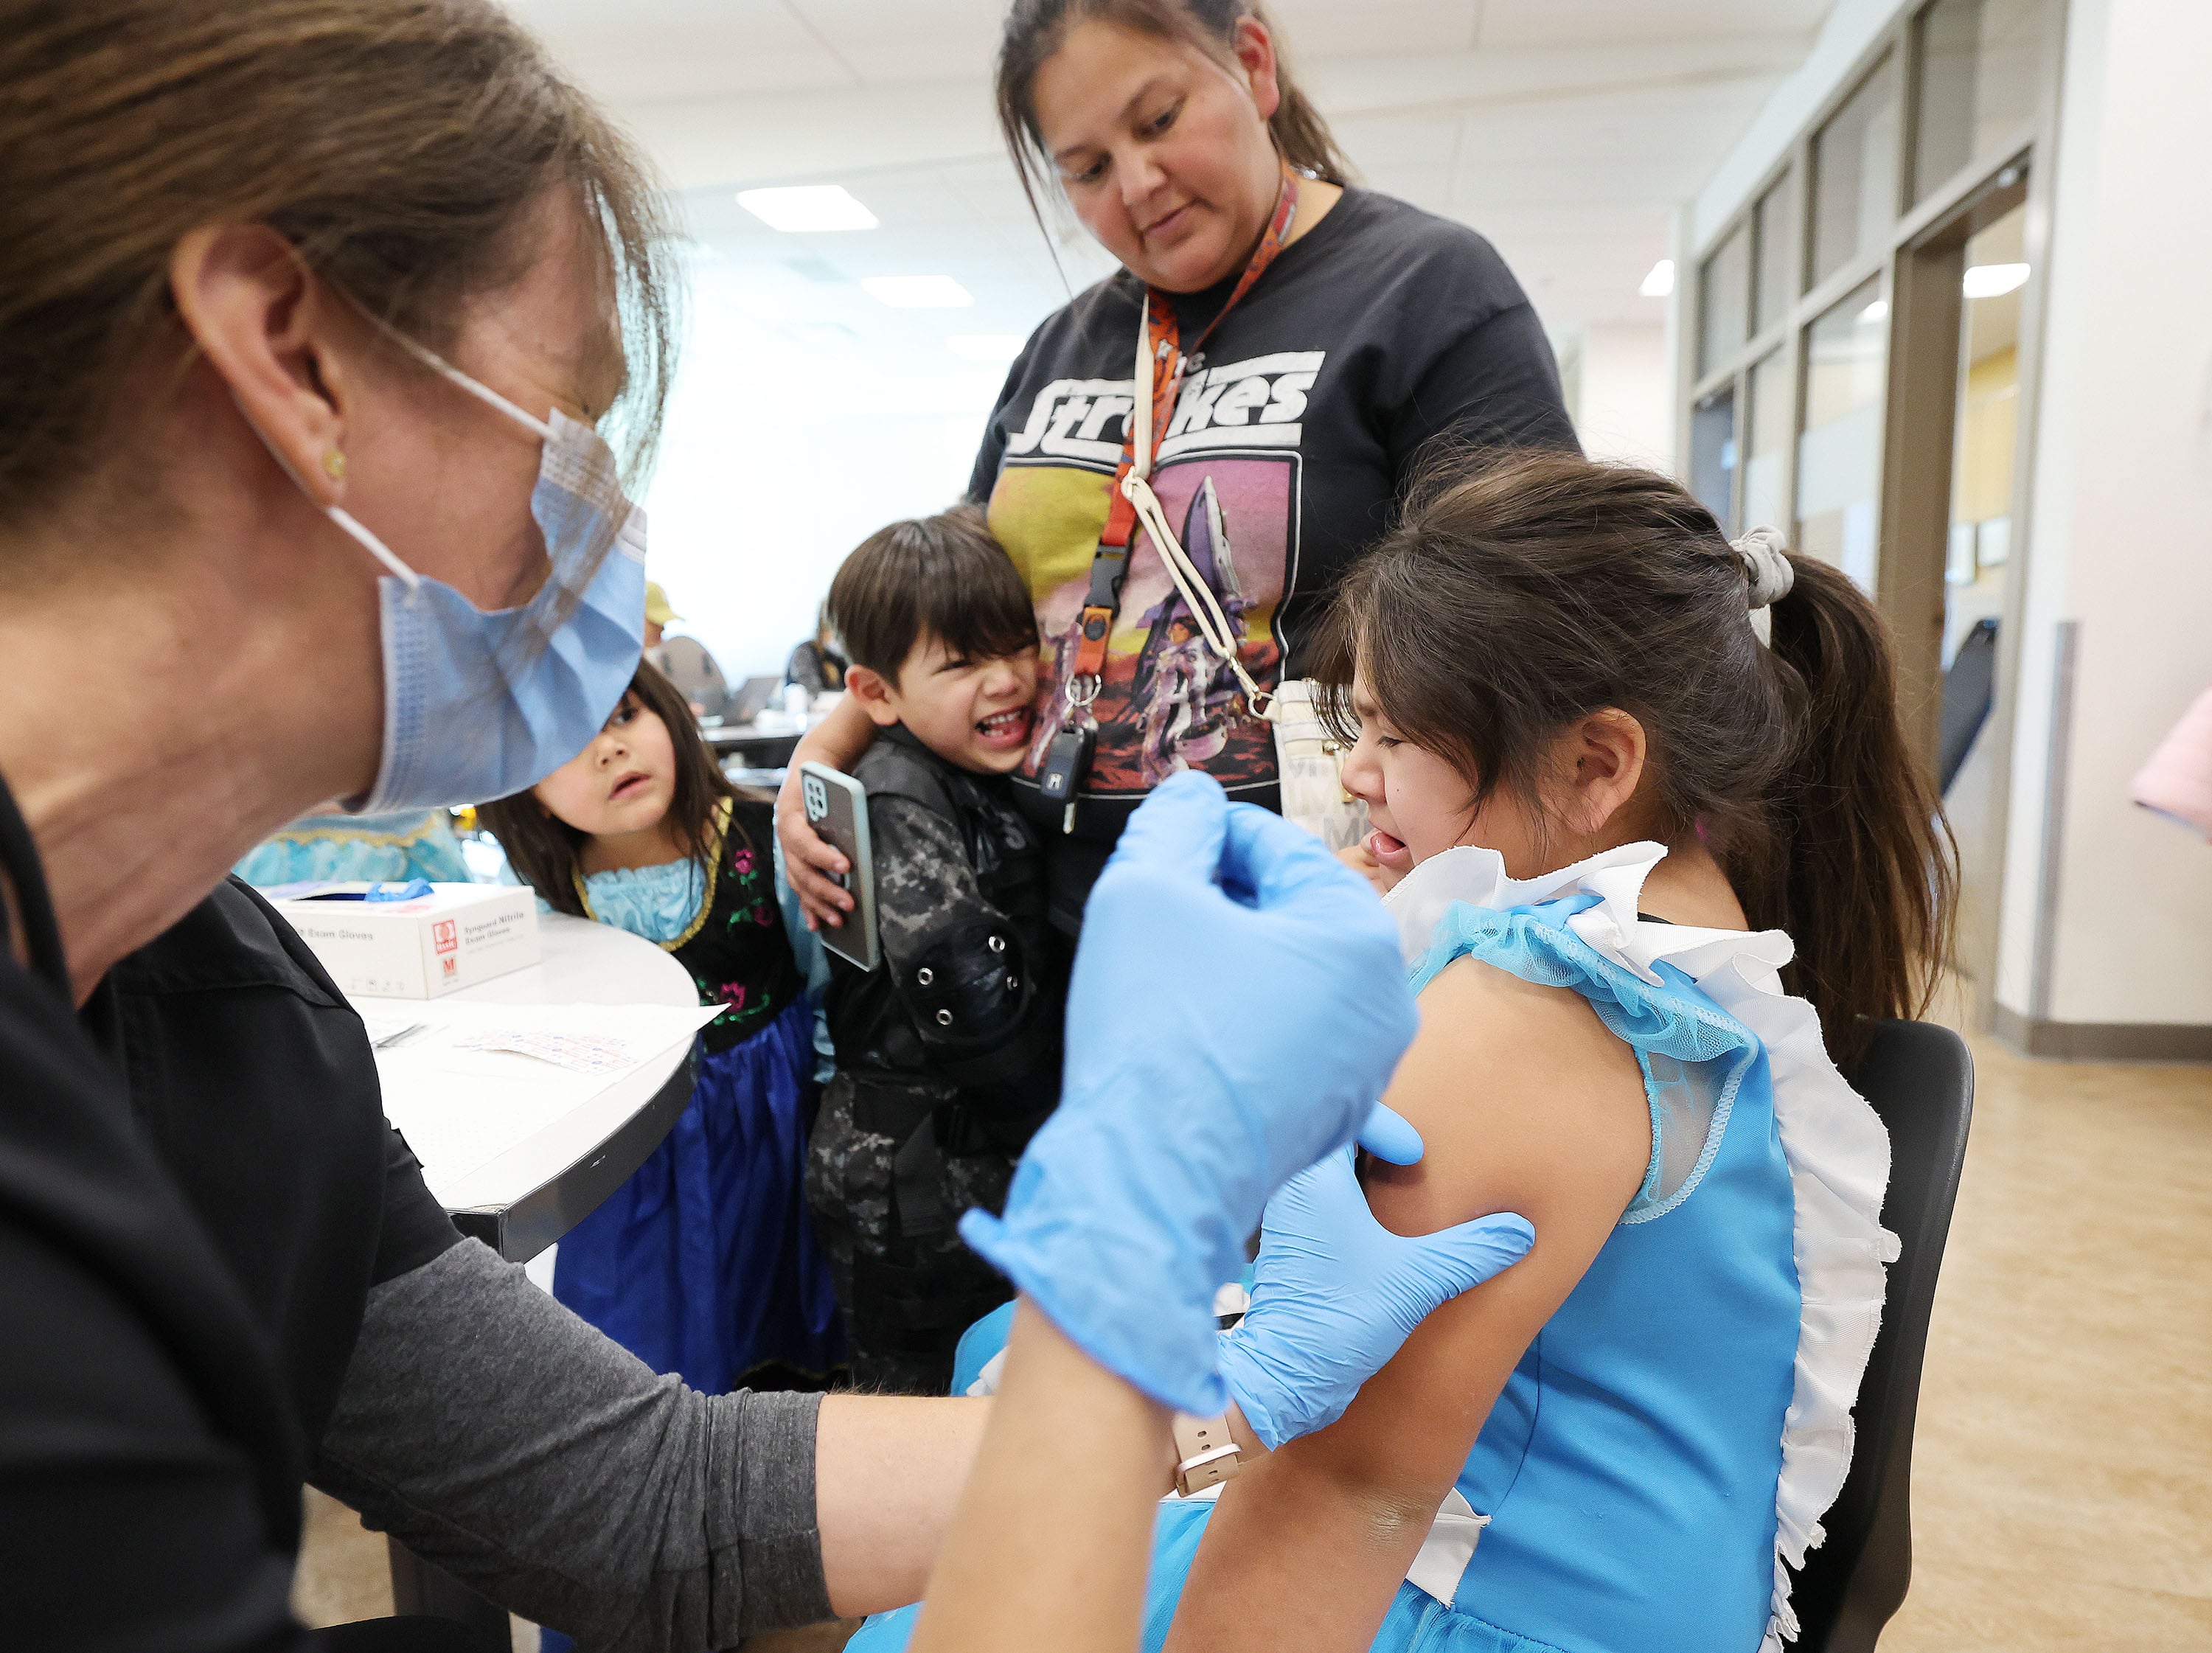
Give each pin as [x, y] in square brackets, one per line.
[417, 941]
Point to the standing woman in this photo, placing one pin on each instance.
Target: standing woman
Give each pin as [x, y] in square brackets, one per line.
[1325, 335]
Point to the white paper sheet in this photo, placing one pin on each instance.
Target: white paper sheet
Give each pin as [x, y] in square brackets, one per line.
[461, 1108]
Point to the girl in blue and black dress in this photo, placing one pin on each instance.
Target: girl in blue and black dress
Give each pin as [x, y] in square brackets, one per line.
[702, 1263]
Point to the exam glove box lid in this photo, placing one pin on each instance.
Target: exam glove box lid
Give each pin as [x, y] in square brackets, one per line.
[458, 935]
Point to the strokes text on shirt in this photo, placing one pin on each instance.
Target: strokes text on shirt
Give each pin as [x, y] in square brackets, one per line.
[1255, 402]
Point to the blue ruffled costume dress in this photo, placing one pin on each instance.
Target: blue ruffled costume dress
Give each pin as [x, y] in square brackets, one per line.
[1671, 1437]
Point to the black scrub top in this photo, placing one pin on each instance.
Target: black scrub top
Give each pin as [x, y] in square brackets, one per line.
[197, 1189]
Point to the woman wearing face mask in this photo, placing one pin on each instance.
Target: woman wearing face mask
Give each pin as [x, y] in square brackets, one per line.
[1324, 334]
[309, 310]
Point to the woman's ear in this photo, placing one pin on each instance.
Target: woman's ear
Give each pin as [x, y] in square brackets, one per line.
[268, 328]
[1601, 764]
[1255, 55]
[866, 686]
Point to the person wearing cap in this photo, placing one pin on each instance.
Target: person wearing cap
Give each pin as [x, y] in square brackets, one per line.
[658, 614]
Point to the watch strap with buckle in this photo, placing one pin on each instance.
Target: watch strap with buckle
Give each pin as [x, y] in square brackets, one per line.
[1206, 1455]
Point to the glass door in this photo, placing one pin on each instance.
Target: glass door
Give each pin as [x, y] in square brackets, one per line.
[1985, 452]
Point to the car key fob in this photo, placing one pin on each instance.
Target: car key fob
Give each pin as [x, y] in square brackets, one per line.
[1066, 760]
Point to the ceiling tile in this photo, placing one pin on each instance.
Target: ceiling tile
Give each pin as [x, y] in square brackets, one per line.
[656, 49]
[1314, 28]
[1377, 143]
[1586, 22]
[887, 41]
[1570, 154]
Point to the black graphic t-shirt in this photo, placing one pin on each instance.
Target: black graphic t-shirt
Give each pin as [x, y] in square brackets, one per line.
[1381, 329]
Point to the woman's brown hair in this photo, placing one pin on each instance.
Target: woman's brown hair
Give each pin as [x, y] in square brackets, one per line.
[1034, 30]
[400, 145]
[544, 849]
[1514, 599]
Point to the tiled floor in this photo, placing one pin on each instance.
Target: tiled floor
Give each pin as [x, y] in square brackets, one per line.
[2063, 1470]
[342, 1574]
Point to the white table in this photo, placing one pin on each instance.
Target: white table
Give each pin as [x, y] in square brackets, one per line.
[532, 1192]
[525, 1198]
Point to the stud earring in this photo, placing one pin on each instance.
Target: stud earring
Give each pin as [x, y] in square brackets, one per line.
[334, 465]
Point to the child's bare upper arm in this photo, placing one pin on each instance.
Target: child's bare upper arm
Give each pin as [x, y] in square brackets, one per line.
[1522, 1094]
[1527, 1103]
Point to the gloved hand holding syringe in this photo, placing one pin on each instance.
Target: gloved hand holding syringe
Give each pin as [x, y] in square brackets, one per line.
[1237, 1007]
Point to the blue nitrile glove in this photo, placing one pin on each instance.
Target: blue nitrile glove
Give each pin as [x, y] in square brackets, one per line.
[413, 889]
[1334, 1294]
[1237, 1005]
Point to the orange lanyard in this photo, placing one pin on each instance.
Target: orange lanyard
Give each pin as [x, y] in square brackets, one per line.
[1164, 339]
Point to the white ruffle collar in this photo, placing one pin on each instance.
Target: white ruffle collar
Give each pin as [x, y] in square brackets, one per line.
[1836, 1147]
[1477, 877]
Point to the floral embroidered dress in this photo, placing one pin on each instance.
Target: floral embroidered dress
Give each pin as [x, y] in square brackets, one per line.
[704, 1262]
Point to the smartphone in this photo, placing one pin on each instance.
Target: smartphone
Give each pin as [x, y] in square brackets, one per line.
[837, 810]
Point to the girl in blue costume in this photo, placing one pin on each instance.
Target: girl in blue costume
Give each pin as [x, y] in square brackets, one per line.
[1659, 850]
[702, 1263]
[413, 844]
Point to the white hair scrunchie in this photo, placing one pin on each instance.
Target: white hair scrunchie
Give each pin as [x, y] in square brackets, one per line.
[1765, 557]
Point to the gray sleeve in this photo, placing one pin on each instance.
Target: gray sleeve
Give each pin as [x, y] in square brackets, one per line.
[503, 1439]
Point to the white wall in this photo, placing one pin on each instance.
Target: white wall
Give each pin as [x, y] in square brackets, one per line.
[785, 448]
[1625, 407]
[2122, 523]
[805, 415]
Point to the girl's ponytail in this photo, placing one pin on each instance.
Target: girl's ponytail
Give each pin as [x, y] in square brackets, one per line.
[1865, 875]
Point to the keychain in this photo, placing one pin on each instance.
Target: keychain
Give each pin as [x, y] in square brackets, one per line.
[1067, 759]
[1065, 762]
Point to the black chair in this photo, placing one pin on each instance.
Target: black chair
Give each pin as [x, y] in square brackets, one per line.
[1920, 1079]
[698, 676]
[1969, 687]
[409, 1634]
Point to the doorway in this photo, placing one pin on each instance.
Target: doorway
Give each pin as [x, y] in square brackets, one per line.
[1952, 483]
[1978, 564]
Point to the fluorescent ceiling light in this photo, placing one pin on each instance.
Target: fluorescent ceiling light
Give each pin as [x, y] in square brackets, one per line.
[1988, 281]
[985, 347]
[918, 292]
[1661, 282]
[807, 207]
[1878, 311]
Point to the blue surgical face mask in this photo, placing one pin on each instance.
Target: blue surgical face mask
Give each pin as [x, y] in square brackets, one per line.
[478, 705]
